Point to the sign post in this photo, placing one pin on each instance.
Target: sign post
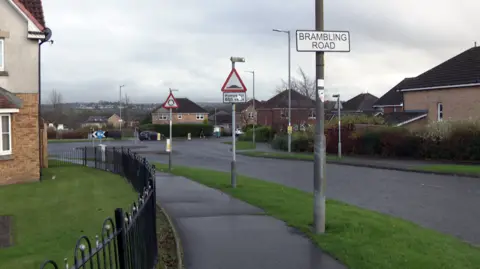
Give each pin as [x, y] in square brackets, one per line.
[320, 41]
[170, 104]
[234, 91]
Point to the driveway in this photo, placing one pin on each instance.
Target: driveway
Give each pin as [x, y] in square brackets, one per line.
[444, 203]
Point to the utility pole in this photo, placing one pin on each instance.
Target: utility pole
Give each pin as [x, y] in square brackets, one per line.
[120, 107]
[319, 181]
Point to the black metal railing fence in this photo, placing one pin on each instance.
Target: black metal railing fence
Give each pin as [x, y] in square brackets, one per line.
[129, 240]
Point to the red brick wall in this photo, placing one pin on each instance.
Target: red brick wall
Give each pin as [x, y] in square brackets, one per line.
[24, 164]
[274, 119]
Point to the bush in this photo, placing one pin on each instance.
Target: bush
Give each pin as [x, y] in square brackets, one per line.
[280, 142]
[179, 130]
[262, 134]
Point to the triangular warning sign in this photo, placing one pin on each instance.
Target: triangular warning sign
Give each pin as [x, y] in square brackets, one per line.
[234, 83]
[171, 102]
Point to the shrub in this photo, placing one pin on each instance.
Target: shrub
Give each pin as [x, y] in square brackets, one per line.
[179, 130]
[280, 142]
[262, 134]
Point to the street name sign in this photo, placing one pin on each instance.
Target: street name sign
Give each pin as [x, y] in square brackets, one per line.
[233, 83]
[326, 41]
[234, 97]
[171, 102]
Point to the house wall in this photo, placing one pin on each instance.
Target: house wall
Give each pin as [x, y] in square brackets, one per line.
[21, 53]
[242, 119]
[114, 120]
[186, 118]
[274, 119]
[20, 76]
[458, 104]
[416, 125]
[24, 163]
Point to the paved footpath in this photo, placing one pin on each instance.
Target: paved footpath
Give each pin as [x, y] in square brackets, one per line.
[218, 231]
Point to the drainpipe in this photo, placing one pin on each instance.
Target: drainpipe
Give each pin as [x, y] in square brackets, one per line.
[48, 35]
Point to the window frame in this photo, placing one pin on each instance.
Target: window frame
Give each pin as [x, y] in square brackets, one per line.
[163, 116]
[439, 111]
[312, 114]
[6, 152]
[200, 116]
[179, 116]
[251, 115]
[2, 54]
[284, 113]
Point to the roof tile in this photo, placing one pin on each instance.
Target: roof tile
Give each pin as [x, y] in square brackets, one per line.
[35, 8]
[393, 96]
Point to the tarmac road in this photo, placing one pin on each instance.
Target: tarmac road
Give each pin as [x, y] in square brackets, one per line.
[445, 203]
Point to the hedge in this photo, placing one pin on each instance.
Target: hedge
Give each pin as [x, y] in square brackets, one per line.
[179, 130]
[444, 140]
[262, 134]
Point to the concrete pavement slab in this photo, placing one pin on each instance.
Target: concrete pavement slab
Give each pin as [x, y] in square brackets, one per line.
[218, 231]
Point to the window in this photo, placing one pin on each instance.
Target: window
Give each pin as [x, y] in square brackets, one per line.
[312, 114]
[250, 115]
[6, 136]
[179, 116]
[439, 111]
[163, 116]
[284, 113]
[200, 117]
[2, 55]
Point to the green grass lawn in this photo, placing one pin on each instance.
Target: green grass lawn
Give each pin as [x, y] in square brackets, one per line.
[50, 216]
[360, 238]
[242, 145]
[451, 168]
[282, 155]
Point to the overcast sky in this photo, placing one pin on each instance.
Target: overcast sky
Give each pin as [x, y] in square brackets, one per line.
[151, 45]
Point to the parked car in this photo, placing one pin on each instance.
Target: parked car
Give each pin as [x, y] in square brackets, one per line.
[148, 135]
[238, 132]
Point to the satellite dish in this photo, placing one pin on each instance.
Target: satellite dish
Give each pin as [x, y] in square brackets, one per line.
[48, 34]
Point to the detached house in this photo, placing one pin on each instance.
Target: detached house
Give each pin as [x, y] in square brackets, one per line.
[274, 112]
[245, 114]
[187, 112]
[22, 31]
[449, 91]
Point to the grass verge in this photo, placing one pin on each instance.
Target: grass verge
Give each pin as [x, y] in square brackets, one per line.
[359, 238]
[452, 168]
[242, 145]
[167, 245]
[50, 216]
[284, 156]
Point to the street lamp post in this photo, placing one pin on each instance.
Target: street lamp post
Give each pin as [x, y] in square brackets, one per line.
[339, 125]
[233, 164]
[254, 111]
[120, 107]
[289, 88]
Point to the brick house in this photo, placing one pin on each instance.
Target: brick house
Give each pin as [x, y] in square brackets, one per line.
[274, 112]
[245, 114]
[448, 91]
[22, 31]
[187, 112]
[115, 121]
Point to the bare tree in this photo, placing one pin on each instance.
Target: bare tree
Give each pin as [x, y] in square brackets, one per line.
[56, 100]
[303, 84]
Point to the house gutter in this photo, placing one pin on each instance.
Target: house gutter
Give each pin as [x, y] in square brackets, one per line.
[48, 34]
[441, 87]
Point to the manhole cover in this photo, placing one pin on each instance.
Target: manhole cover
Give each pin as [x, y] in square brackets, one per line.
[5, 231]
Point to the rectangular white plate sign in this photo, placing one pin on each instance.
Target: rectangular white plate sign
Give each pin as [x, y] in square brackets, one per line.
[327, 41]
[234, 97]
